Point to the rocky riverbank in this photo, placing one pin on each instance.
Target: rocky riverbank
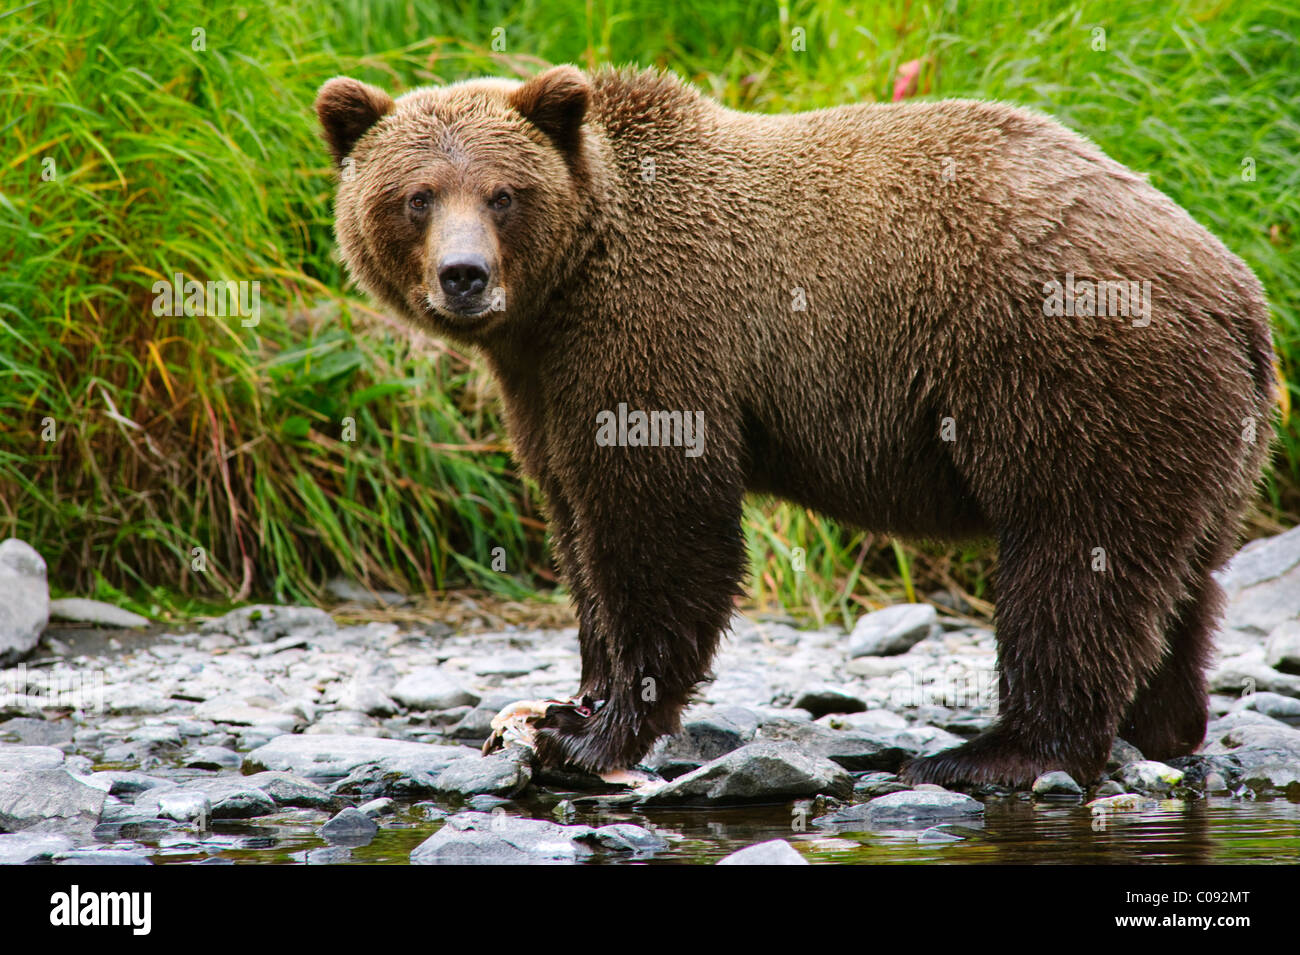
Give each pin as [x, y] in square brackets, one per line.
[280, 725]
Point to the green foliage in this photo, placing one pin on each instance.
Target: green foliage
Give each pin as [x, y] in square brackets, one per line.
[180, 139]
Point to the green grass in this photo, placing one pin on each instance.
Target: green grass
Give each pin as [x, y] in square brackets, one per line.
[177, 433]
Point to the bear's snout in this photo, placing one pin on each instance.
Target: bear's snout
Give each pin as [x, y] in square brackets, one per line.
[463, 276]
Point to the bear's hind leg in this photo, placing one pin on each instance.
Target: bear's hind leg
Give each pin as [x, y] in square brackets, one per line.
[1074, 638]
[1168, 715]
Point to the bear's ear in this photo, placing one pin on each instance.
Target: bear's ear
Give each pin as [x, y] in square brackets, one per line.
[347, 109]
[555, 102]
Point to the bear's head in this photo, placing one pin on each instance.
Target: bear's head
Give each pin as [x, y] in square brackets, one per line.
[457, 205]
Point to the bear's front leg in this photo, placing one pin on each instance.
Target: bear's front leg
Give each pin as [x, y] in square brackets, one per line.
[651, 544]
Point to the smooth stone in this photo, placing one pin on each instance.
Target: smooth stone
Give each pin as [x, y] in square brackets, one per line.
[504, 774]
[772, 852]
[230, 709]
[82, 610]
[179, 805]
[232, 797]
[32, 732]
[853, 750]
[334, 756]
[266, 623]
[507, 665]
[892, 631]
[1149, 776]
[24, 848]
[754, 773]
[1274, 777]
[24, 600]
[913, 810]
[1283, 708]
[1282, 649]
[429, 688]
[822, 700]
[704, 737]
[341, 588]
[628, 838]
[125, 782]
[47, 800]
[1056, 784]
[214, 757]
[18, 757]
[378, 807]
[286, 789]
[105, 856]
[350, 827]
[477, 838]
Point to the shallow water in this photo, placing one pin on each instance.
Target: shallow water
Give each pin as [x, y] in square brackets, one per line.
[1016, 830]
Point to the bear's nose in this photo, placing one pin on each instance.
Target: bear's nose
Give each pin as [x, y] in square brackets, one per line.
[463, 275]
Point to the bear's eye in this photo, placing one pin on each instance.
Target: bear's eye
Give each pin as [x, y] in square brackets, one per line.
[418, 202]
[501, 200]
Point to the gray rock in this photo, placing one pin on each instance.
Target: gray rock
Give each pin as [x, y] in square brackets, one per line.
[349, 590]
[1274, 777]
[108, 855]
[24, 600]
[708, 735]
[350, 827]
[820, 700]
[504, 774]
[1248, 673]
[1286, 709]
[33, 732]
[287, 789]
[922, 809]
[24, 848]
[214, 757]
[81, 610]
[1108, 788]
[14, 756]
[1263, 583]
[179, 805]
[156, 734]
[429, 688]
[231, 709]
[852, 750]
[507, 665]
[1253, 740]
[772, 852]
[879, 784]
[378, 807]
[125, 783]
[476, 838]
[757, 772]
[47, 800]
[231, 797]
[1282, 650]
[325, 855]
[334, 757]
[1121, 754]
[626, 838]
[265, 623]
[892, 631]
[1149, 776]
[1056, 784]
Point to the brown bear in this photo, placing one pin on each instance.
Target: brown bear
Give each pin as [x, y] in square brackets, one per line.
[939, 320]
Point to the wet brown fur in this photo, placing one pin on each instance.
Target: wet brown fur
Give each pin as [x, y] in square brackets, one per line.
[922, 235]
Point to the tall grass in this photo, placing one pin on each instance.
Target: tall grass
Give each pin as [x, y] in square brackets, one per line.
[194, 457]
